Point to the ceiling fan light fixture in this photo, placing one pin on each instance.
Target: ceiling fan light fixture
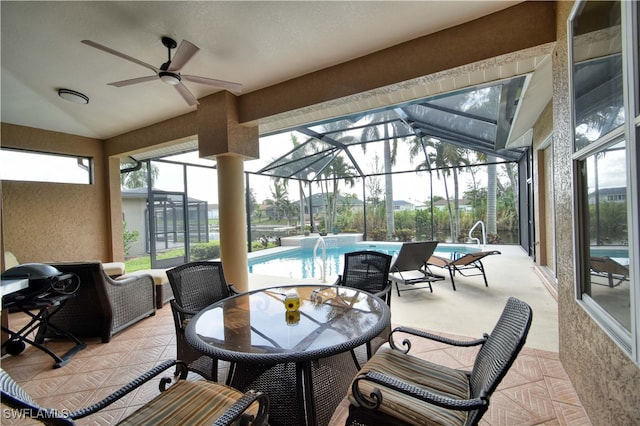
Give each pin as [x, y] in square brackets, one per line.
[169, 77]
[73, 96]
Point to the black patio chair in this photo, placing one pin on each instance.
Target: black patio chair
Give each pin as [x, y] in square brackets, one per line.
[368, 270]
[396, 388]
[184, 402]
[195, 286]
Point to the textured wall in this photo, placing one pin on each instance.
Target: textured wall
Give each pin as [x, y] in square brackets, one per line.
[52, 221]
[606, 380]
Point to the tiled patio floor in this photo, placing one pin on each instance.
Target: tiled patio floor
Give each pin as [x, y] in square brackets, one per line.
[536, 391]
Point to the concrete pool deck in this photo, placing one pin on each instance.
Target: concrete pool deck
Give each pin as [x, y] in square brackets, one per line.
[473, 309]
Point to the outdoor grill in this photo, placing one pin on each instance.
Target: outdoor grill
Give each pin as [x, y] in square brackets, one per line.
[46, 294]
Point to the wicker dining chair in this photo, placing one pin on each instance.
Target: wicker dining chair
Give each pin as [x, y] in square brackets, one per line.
[368, 270]
[396, 388]
[185, 402]
[195, 286]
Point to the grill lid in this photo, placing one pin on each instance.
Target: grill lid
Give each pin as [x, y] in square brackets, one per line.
[32, 271]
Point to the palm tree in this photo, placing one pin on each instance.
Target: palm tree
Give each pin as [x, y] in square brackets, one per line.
[337, 170]
[280, 197]
[391, 127]
[446, 159]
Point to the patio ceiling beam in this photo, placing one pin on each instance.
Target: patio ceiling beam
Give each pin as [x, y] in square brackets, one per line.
[442, 133]
[459, 113]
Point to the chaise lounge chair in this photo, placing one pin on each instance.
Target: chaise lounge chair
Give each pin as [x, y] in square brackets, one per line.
[610, 269]
[463, 263]
[410, 267]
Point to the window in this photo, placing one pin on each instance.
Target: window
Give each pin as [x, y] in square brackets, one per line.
[604, 76]
[43, 167]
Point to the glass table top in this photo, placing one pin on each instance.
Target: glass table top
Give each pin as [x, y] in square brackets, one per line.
[315, 321]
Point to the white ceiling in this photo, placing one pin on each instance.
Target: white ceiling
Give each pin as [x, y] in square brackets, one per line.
[257, 44]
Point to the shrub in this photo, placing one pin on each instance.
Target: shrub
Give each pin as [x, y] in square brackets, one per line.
[493, 239]
[377, 234]
[205, 251]
[404, 235]
[129, 238]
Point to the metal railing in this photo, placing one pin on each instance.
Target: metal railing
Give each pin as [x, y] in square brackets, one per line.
[484, 234]
[322, 261]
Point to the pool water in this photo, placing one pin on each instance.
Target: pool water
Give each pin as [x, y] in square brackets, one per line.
[300, 263]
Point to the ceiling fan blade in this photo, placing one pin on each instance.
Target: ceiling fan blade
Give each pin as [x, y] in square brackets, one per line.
[185, 51]
[233, 87]
[133, 81]
[186, 94]
[119, 54]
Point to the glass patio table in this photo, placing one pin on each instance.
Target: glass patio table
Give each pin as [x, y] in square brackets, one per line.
[302, 353]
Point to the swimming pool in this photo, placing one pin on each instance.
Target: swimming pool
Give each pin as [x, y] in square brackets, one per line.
[299, 262]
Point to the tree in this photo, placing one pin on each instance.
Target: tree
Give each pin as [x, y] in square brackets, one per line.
[280, 198]
[391, 126]
[337, 170]
[138, 178]
[445, 159]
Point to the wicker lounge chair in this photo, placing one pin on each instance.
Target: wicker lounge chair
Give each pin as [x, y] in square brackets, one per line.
[369, 271]
[606, 267]
[396, 388]
[463, 263]
[103, 306]
[185, 402]
[410, 267]
[195, 286]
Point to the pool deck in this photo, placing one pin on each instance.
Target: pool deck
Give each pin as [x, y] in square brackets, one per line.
[471, 310]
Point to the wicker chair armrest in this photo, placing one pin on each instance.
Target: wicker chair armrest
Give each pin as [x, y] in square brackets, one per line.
[131, 386]
[142, 284]
[374, 399]
[237, 410]
[184, 313]
[384, 292]
[406, 343]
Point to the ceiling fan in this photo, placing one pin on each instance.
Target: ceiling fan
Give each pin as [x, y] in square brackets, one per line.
[169, 72]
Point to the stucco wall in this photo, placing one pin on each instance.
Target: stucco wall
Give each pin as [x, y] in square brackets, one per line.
[52, 221]
[607, 381]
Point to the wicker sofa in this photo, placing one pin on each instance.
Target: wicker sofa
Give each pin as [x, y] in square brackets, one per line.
[103, 306]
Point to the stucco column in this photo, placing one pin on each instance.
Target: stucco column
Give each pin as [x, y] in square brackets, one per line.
[220, 135]
[233, 226]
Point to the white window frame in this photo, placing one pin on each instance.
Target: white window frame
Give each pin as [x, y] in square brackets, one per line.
[47, 167]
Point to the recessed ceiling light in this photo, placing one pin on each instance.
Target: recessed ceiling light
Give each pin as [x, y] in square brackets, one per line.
[73, 96]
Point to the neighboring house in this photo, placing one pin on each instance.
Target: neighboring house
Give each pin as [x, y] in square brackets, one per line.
[168, 216]
[402, 205]
[463, 205]
[609, 195]
[317, 203]
[213, 211]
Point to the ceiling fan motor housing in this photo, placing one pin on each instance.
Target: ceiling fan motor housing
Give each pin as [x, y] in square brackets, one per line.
[168, 77]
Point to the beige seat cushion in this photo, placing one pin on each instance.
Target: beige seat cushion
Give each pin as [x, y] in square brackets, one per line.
[187, 403]
[10, 260]
[435, 378]
[113, 269]
[159, 275]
